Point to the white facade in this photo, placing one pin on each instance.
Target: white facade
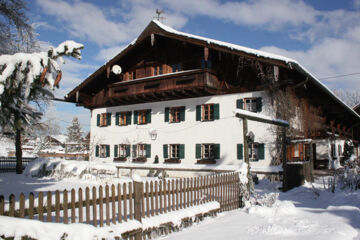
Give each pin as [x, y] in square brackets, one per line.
[226, 131]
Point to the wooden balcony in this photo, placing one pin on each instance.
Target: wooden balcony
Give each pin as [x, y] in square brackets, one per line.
[185, 84]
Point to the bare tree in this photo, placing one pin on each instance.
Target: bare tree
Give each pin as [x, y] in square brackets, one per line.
[350, 97]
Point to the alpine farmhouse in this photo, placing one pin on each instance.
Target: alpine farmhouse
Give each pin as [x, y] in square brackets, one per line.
[171, 96]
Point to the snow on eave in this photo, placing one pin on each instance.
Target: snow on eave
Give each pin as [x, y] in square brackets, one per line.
[290, 62]
[300, 68]
[231, 46]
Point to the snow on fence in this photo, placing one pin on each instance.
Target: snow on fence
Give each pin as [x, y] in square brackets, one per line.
[128, 201]
[8, 164]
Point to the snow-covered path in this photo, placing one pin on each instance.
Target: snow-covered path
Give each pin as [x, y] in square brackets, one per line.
[303, 213]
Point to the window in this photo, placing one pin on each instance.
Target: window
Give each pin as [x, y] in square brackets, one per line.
[250, 104]
[158, 70]
[174, 151]
[102, 151]
[123, 118]
[142, 116]
[121, 150]
[296, 150]
[256, 151]
[103, 119]
[132, 75]
[207, 112]
[175, 114]
[141, 151]
[208, 151]
[333, 153]
[339, 150]
[176, 67]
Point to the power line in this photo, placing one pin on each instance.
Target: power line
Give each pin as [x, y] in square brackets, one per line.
[337, 76]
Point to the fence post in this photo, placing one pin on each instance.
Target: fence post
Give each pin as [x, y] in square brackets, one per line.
[138, 196]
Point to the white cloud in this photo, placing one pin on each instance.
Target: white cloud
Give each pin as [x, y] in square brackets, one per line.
[329, 57]
[105, 54]
[357, 3]
[87, 21]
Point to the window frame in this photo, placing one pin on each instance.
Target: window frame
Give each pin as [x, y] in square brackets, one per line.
[142, 119]
[122, 150]
[122, 118]
[174, 114]
[251, 105]
[102, 151]
[141, 150]
[174, 151]
[207, 112]
[210, 150]
[103, 119]
[253, 151]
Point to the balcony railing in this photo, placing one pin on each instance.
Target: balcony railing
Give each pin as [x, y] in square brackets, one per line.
[198, 81]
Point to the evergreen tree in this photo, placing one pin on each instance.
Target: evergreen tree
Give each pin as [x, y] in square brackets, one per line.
[74, 134]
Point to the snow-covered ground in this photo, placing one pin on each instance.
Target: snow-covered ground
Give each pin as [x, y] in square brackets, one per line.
[307, 212]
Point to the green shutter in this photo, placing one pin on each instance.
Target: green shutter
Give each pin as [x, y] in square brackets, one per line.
[240, 104]
[127, 150]
[198, 112]
[148, 116]
[261, 151]
[182, 114]
[182, 151]
[258, 105]
[98, 120]
[217, 151]
[107, 150]
[240, 151]
[165, 151]
[108, 119]
[128, 118]
[116, 147]
[148, 150]
[136, 117]
[198, 151]
[167, 112]
[134, 151]
[96, 150]
[216, 111]
[117, 115]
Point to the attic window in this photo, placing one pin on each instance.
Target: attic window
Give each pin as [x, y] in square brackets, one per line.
[132, 75]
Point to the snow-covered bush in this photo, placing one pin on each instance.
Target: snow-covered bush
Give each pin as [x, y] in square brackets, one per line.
[350, 177]
[266, 200]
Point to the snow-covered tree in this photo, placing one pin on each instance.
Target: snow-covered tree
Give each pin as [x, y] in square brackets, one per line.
[26, 81]
[16, 34]
[74, 133]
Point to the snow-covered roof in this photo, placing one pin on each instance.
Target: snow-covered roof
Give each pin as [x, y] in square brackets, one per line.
[291, 62]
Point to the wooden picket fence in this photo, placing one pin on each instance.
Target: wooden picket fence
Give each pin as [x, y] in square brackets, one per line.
[103, 205]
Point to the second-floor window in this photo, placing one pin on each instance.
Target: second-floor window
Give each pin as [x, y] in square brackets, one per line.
[175, 114]
[250, 104]
[123, 118]
[207, 112]
[142, 116]
[103, 119]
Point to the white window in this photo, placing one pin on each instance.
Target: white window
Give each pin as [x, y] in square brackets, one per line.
[253, 151]
[296, 150]
[141, 150]
[207, 151]
[103, 151]
[122, 150]
[174, 150]
[250, 104]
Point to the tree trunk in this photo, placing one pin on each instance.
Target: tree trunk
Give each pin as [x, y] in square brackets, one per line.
[18, 150]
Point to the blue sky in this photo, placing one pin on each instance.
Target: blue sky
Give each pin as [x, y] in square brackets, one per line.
[323, 35]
